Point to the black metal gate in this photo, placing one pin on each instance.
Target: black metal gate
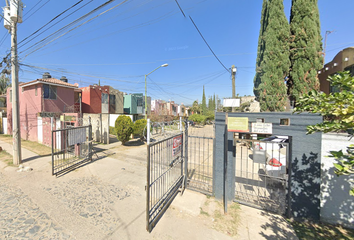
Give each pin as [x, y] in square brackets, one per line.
[262, 172]
[200, 164]
[165, 176]
[71, 147]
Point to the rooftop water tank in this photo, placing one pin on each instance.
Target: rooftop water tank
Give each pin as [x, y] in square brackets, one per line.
[64, 79]
[46, 75]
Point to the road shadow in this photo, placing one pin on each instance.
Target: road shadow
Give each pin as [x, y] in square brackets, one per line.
[134, 143]
[35, 157]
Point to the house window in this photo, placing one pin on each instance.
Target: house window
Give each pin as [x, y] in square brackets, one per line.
[284, 122]
[350, 69]
[49, 92]
[112, 103]
[10, 95]
[35, 91]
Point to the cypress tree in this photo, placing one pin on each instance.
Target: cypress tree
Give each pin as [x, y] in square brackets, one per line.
[204, 106]
[305, 48]
[273, 57]
[210, 104]
[260, 50]
[214, 103]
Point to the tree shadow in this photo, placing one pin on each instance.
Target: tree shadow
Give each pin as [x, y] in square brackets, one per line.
[276, 228]
[305, 187]
[337, 205]
[134, 143]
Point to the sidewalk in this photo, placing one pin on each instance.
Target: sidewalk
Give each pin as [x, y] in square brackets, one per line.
[106, 200]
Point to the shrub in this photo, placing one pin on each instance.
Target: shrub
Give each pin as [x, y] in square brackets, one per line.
[139, 128]
[123, 128]
[198, 118]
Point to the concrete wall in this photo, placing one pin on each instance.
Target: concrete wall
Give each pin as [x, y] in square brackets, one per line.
[338, 64]
[65, 98]
[113, 118]
[119, 100]
[337, 206]
[92, 98]
[100, 126]
[30, 105]
[4, 125]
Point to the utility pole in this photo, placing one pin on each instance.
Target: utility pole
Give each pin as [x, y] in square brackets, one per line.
[233, 72]
[13, 15]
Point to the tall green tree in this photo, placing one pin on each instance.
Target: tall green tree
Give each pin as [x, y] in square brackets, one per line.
[305, 48]
[195, 107]
[4, 83]
[210, 104]
[204, 106]
[273, 62]
[214, 102]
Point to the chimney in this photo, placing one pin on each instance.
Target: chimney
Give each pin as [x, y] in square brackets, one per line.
[64, 79]
[46, 75]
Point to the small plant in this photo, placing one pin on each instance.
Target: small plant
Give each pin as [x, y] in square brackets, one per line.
[139, 128]
[112, 130]
[123, 128]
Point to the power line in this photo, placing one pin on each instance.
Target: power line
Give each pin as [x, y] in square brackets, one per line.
[180, 8]
[37, 9]
[122, 30]
[99, 7]
[52, 21]
[32, 8]
[209, 45]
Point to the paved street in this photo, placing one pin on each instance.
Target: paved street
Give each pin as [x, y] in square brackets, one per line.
[22, 219]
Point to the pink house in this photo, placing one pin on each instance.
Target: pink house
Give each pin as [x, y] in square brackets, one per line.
[44, 103]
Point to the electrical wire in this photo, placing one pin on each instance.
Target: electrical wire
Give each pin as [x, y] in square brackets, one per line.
[82, 23]
[53, 19]
[37, 10]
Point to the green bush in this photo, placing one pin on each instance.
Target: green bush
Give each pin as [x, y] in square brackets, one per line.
[123, 128]
[139, 128]
[198, 118]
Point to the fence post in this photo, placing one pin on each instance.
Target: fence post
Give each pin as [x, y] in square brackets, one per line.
[148, 131]
[185, 154]
[90, 139]
[180, 124]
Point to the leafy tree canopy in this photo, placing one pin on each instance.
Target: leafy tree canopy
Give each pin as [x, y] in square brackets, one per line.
[338, 111]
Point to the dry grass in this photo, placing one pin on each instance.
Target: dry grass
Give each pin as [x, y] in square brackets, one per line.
[35, 147]
[6, 157]
[213, 212]
[310, 230]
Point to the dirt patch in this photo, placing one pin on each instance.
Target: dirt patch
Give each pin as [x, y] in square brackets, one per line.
[212, 213]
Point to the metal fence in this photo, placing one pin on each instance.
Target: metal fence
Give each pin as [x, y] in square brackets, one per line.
[163, 130]
[165, 176]
[200, 164]
[262, 174]
[71, 147]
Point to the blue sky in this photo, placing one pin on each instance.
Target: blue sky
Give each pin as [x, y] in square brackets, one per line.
[120, 46]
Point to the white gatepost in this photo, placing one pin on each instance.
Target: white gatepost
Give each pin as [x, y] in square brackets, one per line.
[180, 124]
